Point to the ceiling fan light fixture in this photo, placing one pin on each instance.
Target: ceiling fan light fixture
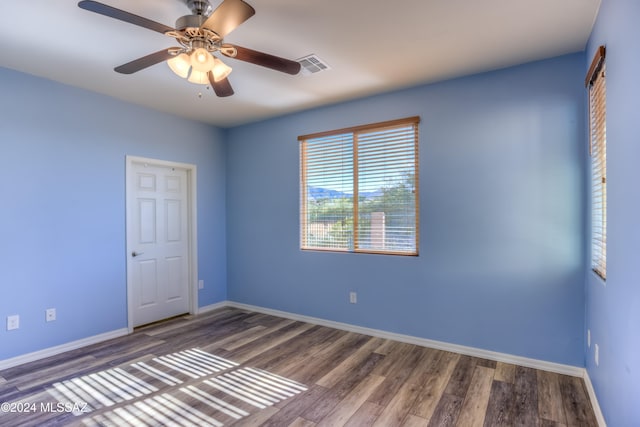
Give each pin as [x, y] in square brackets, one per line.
[198, 35]
[199, 77]
[180, 65]
[220, 70]
[202, 60]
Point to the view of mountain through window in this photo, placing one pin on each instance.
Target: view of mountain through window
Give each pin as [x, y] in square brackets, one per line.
[359, 188]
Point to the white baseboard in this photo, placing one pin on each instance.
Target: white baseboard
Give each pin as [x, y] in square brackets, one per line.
[573, 371]
[52, 351]
[594, 400]
[212, 307]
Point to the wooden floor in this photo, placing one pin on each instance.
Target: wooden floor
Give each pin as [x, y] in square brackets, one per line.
[233, 367]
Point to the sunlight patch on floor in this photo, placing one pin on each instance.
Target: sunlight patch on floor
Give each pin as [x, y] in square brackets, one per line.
[222, 393]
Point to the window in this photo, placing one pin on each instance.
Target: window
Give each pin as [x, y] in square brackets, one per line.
[596, 84]
[359, 189]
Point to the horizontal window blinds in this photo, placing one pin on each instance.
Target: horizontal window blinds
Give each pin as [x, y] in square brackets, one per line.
[596, 83]
[326, 192]
[359, 189]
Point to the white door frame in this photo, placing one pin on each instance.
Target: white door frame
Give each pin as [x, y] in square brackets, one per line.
[192, 228]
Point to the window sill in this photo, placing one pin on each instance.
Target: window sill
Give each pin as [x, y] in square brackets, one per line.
[370, 252]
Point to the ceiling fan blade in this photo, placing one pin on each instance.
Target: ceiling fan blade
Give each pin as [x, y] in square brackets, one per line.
[228, 16]
[112, 12]
[222, 87]
[264, 59]
[145, 61]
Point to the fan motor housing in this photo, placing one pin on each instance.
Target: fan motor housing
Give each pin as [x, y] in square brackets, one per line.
[190, 21]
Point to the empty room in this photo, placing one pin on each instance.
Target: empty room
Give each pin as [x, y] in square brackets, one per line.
[324, 213]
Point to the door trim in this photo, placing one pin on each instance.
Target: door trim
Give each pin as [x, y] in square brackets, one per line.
[192, 228]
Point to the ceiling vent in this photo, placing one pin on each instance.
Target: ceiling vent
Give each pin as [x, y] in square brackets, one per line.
[312, 64]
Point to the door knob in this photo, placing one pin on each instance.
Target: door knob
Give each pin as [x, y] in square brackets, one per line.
[135, 254]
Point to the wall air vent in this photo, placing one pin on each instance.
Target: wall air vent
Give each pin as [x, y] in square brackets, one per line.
[312, 64]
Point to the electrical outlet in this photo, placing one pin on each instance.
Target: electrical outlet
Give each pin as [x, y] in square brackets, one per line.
[50, 315]
[353, 297]
[13, 322]
[200, 284]
[597, 355]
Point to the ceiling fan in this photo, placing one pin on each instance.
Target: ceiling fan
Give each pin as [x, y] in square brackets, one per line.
[200, 36]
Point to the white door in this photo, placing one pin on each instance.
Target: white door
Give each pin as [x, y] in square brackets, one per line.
[157, 242]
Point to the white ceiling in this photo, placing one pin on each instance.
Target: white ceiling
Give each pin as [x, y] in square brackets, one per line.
[372, 46]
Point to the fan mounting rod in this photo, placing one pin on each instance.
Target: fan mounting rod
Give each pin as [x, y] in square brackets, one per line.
[199, 7]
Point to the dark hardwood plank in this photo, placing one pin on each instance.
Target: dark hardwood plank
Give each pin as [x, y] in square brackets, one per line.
[550, 405]
[475, 403]
[403, 363]
[386, 347]
[294, 408]
[352, 402]
[35, 379]
[245, 337]
[342, 389]
[439, 376]
[548, 423]
[365, 415]
[500, 410]
[397, 410]
[238, 339]
[296, 348]
[487, 363]
[312, 369]
[395, 352]
[505, 372]
[575, 400]
[347, 366]
[461, 376]
[257, 419]
[301, 422]
[526, 397]
[268, 341]
[447, 411]
[414, 421]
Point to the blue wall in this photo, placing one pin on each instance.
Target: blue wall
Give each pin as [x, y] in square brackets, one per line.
[62, 215]
[613, 310]
[502, 256]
